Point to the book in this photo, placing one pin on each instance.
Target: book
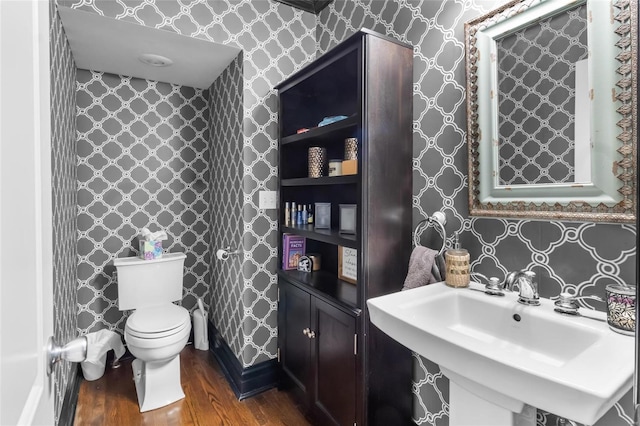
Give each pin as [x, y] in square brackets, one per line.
[293, 247]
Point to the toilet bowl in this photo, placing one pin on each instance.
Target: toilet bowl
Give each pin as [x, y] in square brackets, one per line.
[155, 336]
[157, 333]
[157, 330]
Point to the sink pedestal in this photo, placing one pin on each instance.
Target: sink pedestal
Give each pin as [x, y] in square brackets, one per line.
[467, 408]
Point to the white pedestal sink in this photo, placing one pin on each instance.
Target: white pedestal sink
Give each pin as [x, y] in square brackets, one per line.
[504, 358]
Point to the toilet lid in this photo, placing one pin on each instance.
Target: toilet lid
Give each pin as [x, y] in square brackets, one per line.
[158, 320]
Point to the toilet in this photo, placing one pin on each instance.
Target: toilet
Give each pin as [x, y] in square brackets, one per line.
[157, 330]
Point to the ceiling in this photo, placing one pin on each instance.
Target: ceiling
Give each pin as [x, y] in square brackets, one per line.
[114, 46]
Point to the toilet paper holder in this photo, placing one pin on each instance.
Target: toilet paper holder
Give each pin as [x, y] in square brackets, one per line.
[74, 351]
[224, 253]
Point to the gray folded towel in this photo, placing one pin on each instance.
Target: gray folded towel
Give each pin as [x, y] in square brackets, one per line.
[420, 268]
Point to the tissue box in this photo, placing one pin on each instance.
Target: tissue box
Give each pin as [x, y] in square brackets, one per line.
[150, 250]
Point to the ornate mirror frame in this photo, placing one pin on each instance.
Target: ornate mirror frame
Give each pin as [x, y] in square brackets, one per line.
[611, 196]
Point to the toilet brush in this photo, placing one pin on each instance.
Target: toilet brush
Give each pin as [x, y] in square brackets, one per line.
[200, 334]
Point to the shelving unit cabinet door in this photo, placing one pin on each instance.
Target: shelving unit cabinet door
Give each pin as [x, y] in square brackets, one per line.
[334, 364]
[295, 345]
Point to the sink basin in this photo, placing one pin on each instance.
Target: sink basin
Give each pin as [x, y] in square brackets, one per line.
[509, 354]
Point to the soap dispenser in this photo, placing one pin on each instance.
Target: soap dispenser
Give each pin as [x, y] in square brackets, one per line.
[457, 266]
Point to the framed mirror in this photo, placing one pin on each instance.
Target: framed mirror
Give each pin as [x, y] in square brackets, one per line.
[551, 110]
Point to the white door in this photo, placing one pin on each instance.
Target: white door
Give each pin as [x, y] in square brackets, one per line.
[26, 306]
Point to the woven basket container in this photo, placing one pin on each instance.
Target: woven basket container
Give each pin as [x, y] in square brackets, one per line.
[458, 269]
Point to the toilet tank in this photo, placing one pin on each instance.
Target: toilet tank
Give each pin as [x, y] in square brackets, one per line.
[143, 283]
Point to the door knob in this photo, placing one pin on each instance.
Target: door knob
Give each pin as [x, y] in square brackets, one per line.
[311, 334]
[74, 351]
[306, 331]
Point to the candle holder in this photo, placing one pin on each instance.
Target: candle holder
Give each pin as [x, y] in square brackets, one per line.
[351, 149]
[621, 308]
[317, 161]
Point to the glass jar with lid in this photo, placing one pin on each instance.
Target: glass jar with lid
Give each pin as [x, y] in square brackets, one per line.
[621, 308]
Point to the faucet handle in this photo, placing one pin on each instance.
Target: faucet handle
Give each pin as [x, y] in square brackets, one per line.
[567, 303]
[494, 287]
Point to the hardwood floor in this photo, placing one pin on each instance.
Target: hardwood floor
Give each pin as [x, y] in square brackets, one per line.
[111, 400]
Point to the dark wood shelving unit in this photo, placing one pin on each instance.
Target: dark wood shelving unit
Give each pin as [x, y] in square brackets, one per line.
[343, 369]
[331, 236]
[328, 132]
[326, 286]
[325, 180]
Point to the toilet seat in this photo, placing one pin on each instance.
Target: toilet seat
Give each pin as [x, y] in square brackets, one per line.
[158, 323]
[157, 342]
[167, 333]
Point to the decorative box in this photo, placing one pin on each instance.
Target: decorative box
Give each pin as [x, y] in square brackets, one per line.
[350, 167]
[150, 250]
[335, 167]
[348, 218]
[322, 217]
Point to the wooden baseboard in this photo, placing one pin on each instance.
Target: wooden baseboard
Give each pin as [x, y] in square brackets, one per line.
[245, 382]
[70, 402]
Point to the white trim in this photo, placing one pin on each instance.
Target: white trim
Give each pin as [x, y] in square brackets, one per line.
[26, 221]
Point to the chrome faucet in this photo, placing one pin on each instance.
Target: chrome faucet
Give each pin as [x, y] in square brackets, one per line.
[527, 286]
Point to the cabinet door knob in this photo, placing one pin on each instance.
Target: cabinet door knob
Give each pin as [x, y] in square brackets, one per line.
[306, 331]
[311, 334]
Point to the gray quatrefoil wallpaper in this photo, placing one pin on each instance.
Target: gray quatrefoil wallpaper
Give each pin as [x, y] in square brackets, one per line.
[64, 182]
[192, 162]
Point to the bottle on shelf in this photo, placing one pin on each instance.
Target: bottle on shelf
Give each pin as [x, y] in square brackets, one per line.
[293, 214]
[309, 215]
[299, 215]
[287, 213]
[305, 215]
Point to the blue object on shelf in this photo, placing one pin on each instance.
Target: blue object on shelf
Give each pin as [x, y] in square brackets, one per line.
[329, 120]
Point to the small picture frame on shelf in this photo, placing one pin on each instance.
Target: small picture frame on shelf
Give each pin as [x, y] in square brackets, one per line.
[322, 216]
[348, 216]
[348, 264]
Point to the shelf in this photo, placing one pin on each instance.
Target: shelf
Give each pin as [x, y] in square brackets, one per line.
[330, 236]
[361, 79]
[325, 180]
[326, 286]
[321, 132]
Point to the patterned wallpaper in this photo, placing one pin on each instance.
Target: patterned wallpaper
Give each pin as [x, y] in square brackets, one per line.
[276, 40]
[143, 161]
[64, 198]
[583, 257]
[225, 181]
